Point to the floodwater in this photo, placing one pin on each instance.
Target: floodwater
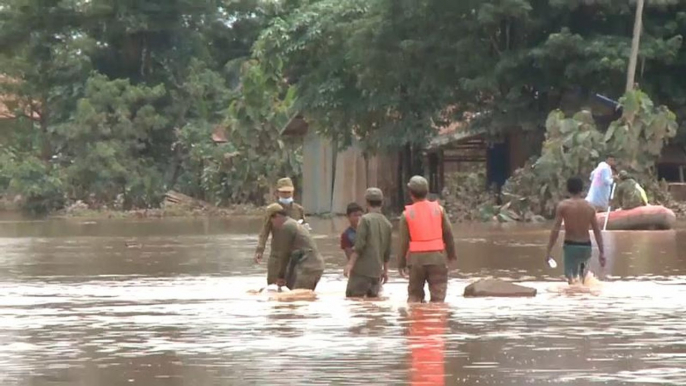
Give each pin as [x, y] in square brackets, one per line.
[165, 302]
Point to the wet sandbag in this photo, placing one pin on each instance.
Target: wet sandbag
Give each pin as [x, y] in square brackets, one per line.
[283, 294]
[652, 217]
[497, 288]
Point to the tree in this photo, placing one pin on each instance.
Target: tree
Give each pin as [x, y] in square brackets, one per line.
[573, 147]
[387, 70]
[105, 143]
[120, 98]
[44, 60]
[255, 121]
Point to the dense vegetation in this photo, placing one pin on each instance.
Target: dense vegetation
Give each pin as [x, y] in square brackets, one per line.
[114, 102]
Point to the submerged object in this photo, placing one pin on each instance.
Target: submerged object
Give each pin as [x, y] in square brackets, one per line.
[651, 217]
[497, 288]
[273, 288]
[274, 292]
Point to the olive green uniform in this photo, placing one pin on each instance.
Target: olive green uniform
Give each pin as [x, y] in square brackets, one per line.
[295, 212]
[373, 249]
[424, 267]
[627, 195]
[300, 262]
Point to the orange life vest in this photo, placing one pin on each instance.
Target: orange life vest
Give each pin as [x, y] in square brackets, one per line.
[425, 223]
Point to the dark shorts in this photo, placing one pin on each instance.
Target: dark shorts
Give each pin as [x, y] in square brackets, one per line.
[435, 275]
[361, 286]
[576, 258]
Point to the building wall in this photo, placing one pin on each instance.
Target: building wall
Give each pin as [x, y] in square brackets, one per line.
[317, 180]
[350, 179]
[332, 179]
[382, 172]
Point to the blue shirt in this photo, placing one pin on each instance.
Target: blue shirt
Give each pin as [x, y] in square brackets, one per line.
[348, 238]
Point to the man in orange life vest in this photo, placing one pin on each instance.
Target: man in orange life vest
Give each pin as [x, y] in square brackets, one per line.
[425, 238]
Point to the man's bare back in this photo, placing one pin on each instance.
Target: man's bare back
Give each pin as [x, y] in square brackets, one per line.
[579, 217]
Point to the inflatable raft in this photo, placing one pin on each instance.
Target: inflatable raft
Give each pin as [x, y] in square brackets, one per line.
[653, 217]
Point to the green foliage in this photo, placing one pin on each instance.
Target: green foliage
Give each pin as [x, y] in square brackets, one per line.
[106, 140]
[641, 132]
[39, 185]
[574, 146]
[255, 121]
[7, 162]
[388, 71]
[118, 100]
[121, 98]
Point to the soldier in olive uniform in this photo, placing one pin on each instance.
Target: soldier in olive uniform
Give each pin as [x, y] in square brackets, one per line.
[426, 240]
[367, 268]
[284, 188]
[300, 265]
[629, 194]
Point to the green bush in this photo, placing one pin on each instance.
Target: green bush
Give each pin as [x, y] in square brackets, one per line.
[39, 185]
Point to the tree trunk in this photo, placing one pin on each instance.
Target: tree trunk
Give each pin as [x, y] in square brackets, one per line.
[400, 178]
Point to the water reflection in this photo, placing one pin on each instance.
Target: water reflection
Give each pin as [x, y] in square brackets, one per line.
[428, 324]
[79, 307]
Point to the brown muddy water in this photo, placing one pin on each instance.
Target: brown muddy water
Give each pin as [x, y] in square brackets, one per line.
[80, 307]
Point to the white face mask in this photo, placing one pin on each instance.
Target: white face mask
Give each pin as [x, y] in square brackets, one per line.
[286, 201]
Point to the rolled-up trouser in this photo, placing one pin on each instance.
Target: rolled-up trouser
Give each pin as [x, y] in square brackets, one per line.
[437, 277]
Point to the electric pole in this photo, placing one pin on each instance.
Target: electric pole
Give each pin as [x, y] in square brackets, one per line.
[635, 43]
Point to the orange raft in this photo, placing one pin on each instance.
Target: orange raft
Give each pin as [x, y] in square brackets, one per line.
[652, 217]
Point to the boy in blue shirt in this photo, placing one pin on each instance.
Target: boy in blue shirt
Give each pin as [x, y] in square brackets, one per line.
[354, 213]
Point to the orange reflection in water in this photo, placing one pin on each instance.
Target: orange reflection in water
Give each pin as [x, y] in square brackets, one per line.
[428, 324]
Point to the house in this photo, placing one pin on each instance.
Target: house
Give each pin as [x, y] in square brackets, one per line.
[670, 167]
[458, 148]
[333, 177]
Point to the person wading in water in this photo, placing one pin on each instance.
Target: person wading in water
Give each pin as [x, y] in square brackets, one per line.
[300, 265]
[284, 188]
[425, 237]
[367, 269]
[578, 216]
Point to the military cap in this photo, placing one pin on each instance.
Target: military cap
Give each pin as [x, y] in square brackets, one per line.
[285, 185]
[418, 184]
[274, 209]
[373, 194]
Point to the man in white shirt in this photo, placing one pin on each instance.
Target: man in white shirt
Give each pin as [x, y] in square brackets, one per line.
[602, 180]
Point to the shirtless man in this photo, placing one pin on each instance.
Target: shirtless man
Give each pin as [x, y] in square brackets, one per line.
[578, 215]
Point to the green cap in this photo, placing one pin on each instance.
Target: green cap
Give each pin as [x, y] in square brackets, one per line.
[285, 185]
[623, 175]
[274, 209]
[373, 194]
[418, 184]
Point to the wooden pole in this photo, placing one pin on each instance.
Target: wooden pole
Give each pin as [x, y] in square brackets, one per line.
[635, 43]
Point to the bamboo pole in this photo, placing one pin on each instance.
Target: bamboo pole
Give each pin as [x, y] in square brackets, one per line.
[635, 43]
